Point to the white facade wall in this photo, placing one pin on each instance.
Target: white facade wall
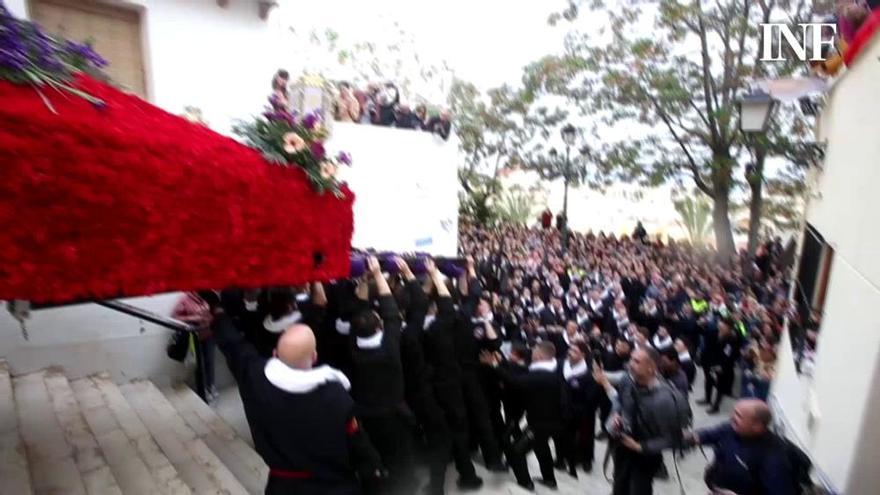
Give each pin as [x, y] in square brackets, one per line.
[834, 413]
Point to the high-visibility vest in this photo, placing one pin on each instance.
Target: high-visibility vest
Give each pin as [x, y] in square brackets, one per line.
[741, 327]
[700, 306]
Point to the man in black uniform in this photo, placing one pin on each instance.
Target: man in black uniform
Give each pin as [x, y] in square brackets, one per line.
[473, 334]
[720, 356]
[377, 384]
[543, 392]
[318, 452]
[439, 346]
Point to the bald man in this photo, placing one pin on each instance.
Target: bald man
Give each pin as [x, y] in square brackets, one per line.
[301, 416]
[748, 457]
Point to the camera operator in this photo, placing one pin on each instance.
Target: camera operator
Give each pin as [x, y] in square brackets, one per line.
[649, 415]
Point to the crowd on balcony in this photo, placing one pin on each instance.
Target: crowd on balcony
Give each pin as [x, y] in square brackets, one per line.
[377, 104]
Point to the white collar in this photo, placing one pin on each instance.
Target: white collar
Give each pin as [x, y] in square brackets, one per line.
[429, 320]
[302, 297]
[661, 343]
[278, 326]
[302, 381]
[543, 366]
[684, 356]
[343, 327]
[569, 371]
[372, 342]
[566, 338]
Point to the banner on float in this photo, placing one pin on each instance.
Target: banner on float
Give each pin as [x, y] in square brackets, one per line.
[406, 188]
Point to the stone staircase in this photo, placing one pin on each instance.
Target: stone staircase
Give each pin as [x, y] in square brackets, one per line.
[89, 436]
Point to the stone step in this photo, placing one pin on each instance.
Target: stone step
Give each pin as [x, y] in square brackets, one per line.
[235, 453]
[133, 457]
[15, 478]
[197, 465]
[93, 468]
[51, 459]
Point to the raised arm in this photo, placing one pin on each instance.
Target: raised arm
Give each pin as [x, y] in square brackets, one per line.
[240, 354]
[388, 310]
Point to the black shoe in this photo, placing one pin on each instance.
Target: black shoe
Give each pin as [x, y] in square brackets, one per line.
[588, 467]
[703, 402]
[662, 473]
[497, 467]
[474, 483]
[528, 485]
[713, 410]
[572, 471]
[551, 484]
[560, 465]
[602, 436]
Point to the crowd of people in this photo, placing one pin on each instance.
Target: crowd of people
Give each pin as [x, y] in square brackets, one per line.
[378, 104]
[526, 342]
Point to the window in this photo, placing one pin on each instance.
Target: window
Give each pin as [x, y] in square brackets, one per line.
[115, 33]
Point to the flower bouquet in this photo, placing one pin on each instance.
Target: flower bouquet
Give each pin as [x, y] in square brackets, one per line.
[30, 56]
[287, 139]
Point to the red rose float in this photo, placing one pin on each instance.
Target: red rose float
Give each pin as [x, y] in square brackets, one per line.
[111, 196]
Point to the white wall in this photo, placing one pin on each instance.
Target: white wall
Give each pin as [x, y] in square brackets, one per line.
[218, 59]
[406, 186]
[835, 411]
[86, 339]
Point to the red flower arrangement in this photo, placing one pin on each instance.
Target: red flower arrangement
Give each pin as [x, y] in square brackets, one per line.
[124, 199]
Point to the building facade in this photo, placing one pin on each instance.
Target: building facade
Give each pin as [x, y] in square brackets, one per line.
[831, 408]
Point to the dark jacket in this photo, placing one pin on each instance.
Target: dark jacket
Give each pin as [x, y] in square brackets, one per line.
[544, 395]
[324, 440]
[377, 378]
[439, 345]
[750, 466]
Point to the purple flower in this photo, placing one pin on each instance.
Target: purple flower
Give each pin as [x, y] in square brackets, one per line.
[318, 150]
[85, 52]
[344, 158]
[277, 116]
[309, 121]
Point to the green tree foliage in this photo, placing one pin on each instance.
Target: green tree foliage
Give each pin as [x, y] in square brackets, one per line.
[661, 81]
[695, 216]
[516, 206]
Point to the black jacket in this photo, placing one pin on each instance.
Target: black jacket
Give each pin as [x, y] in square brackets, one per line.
[324, 439]
[439, 344]
[544, 395]
[377, 374]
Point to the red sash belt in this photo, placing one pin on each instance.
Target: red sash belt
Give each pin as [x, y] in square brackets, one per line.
[289, 475]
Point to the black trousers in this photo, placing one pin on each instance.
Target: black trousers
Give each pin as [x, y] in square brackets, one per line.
[451, 400]
[583, 430]
[634, 473]
[493, 394]
[279, 486]
[391, 436]
[437, 433]
[721, 383]
[478, 416]
[539, 441]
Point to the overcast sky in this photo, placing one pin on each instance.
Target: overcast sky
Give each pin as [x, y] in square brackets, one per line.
[484, 41]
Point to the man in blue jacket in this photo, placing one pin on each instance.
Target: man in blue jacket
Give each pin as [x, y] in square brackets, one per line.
[749, 459]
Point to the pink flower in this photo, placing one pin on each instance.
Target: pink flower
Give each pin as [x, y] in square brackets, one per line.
[328, 170]
[293, 143]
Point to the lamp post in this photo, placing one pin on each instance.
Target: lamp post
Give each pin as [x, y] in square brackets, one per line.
[568, 137]
[755, 111]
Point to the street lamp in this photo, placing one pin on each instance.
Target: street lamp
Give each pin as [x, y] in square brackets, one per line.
[755, 109]
[569, 133]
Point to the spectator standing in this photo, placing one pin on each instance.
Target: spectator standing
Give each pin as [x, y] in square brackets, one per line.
[347, 107]
[748, 457]
[441, 124]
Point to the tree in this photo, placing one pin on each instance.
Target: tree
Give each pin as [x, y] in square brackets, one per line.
[695, 215]
[664, 105]
[516, 205]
